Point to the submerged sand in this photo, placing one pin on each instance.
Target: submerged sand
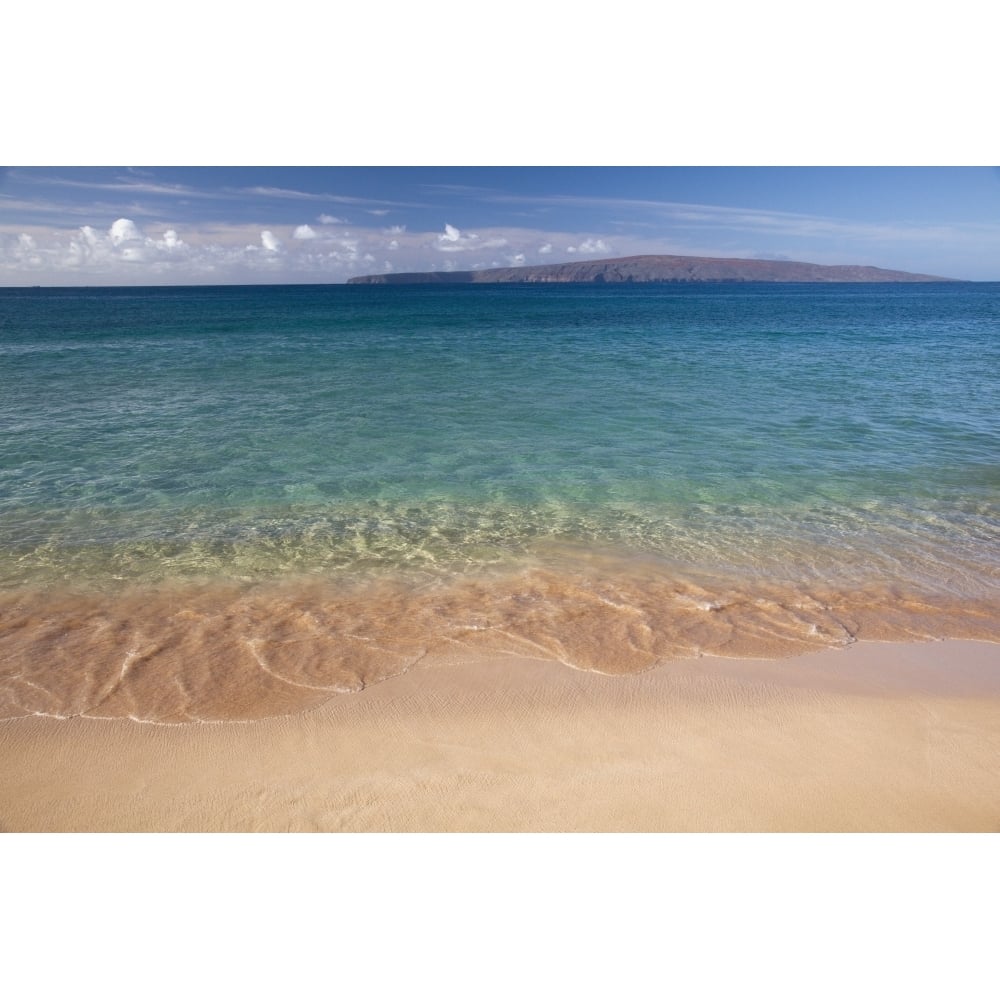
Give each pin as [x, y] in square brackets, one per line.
[878, 736]
[216, 652]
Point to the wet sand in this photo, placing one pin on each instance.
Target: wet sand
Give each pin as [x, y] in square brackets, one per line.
[875, 737]
[219, 652]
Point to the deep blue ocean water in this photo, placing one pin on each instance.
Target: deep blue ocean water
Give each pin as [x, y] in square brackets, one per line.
[250, 432]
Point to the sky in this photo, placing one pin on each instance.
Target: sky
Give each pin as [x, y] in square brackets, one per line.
[222, 225]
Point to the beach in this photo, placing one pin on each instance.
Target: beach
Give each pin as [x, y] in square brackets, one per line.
[898, 737]
[661, 558]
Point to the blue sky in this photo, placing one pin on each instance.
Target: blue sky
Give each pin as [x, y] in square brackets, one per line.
[172, 225]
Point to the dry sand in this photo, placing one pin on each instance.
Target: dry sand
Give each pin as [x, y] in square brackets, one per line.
[877, 737]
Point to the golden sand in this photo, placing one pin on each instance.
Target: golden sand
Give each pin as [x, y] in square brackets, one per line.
[879, 736]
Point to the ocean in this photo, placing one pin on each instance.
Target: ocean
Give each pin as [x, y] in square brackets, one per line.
[233, 502]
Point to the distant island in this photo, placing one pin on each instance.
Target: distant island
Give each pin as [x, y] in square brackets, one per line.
[651, 268]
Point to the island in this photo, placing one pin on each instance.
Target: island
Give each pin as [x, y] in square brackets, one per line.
[652, 268]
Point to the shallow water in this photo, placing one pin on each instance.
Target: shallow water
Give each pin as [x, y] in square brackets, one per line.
[232, 502]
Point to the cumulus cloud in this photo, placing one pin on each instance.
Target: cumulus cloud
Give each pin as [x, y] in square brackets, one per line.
[590, 246]
[127, 252]
[91, 251]
[21, 251]
[84, 247]
[171, 240]
[329, 220]
[453, 240]
[123, 254]
[124, 231]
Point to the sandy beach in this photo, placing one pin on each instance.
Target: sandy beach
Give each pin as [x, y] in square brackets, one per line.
[878, 737]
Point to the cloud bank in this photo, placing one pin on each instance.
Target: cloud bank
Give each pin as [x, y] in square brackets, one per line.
[43, 243]
[322, 249]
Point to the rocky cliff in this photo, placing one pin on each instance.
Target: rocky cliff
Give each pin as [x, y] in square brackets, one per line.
[650, 268]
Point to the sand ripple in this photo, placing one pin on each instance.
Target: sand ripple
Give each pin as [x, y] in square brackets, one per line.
[227, 652]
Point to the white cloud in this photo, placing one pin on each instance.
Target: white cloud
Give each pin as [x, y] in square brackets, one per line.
[590, 246]
[21, 250]
[124, 185]
[264, 191]
[89, 251]
[453, 240]
[88, 247]
[171, 240]
[276, 192]
[123, 231]
[330, 220]
[545, 248]
[126, 252]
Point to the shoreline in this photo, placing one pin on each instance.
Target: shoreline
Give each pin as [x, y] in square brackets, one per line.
[242, 652]
[879, 736]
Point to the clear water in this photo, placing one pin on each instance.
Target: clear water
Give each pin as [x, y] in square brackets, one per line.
[791, 436]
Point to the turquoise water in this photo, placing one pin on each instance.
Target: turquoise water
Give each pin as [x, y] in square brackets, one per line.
[254, 431]
[600, 474]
